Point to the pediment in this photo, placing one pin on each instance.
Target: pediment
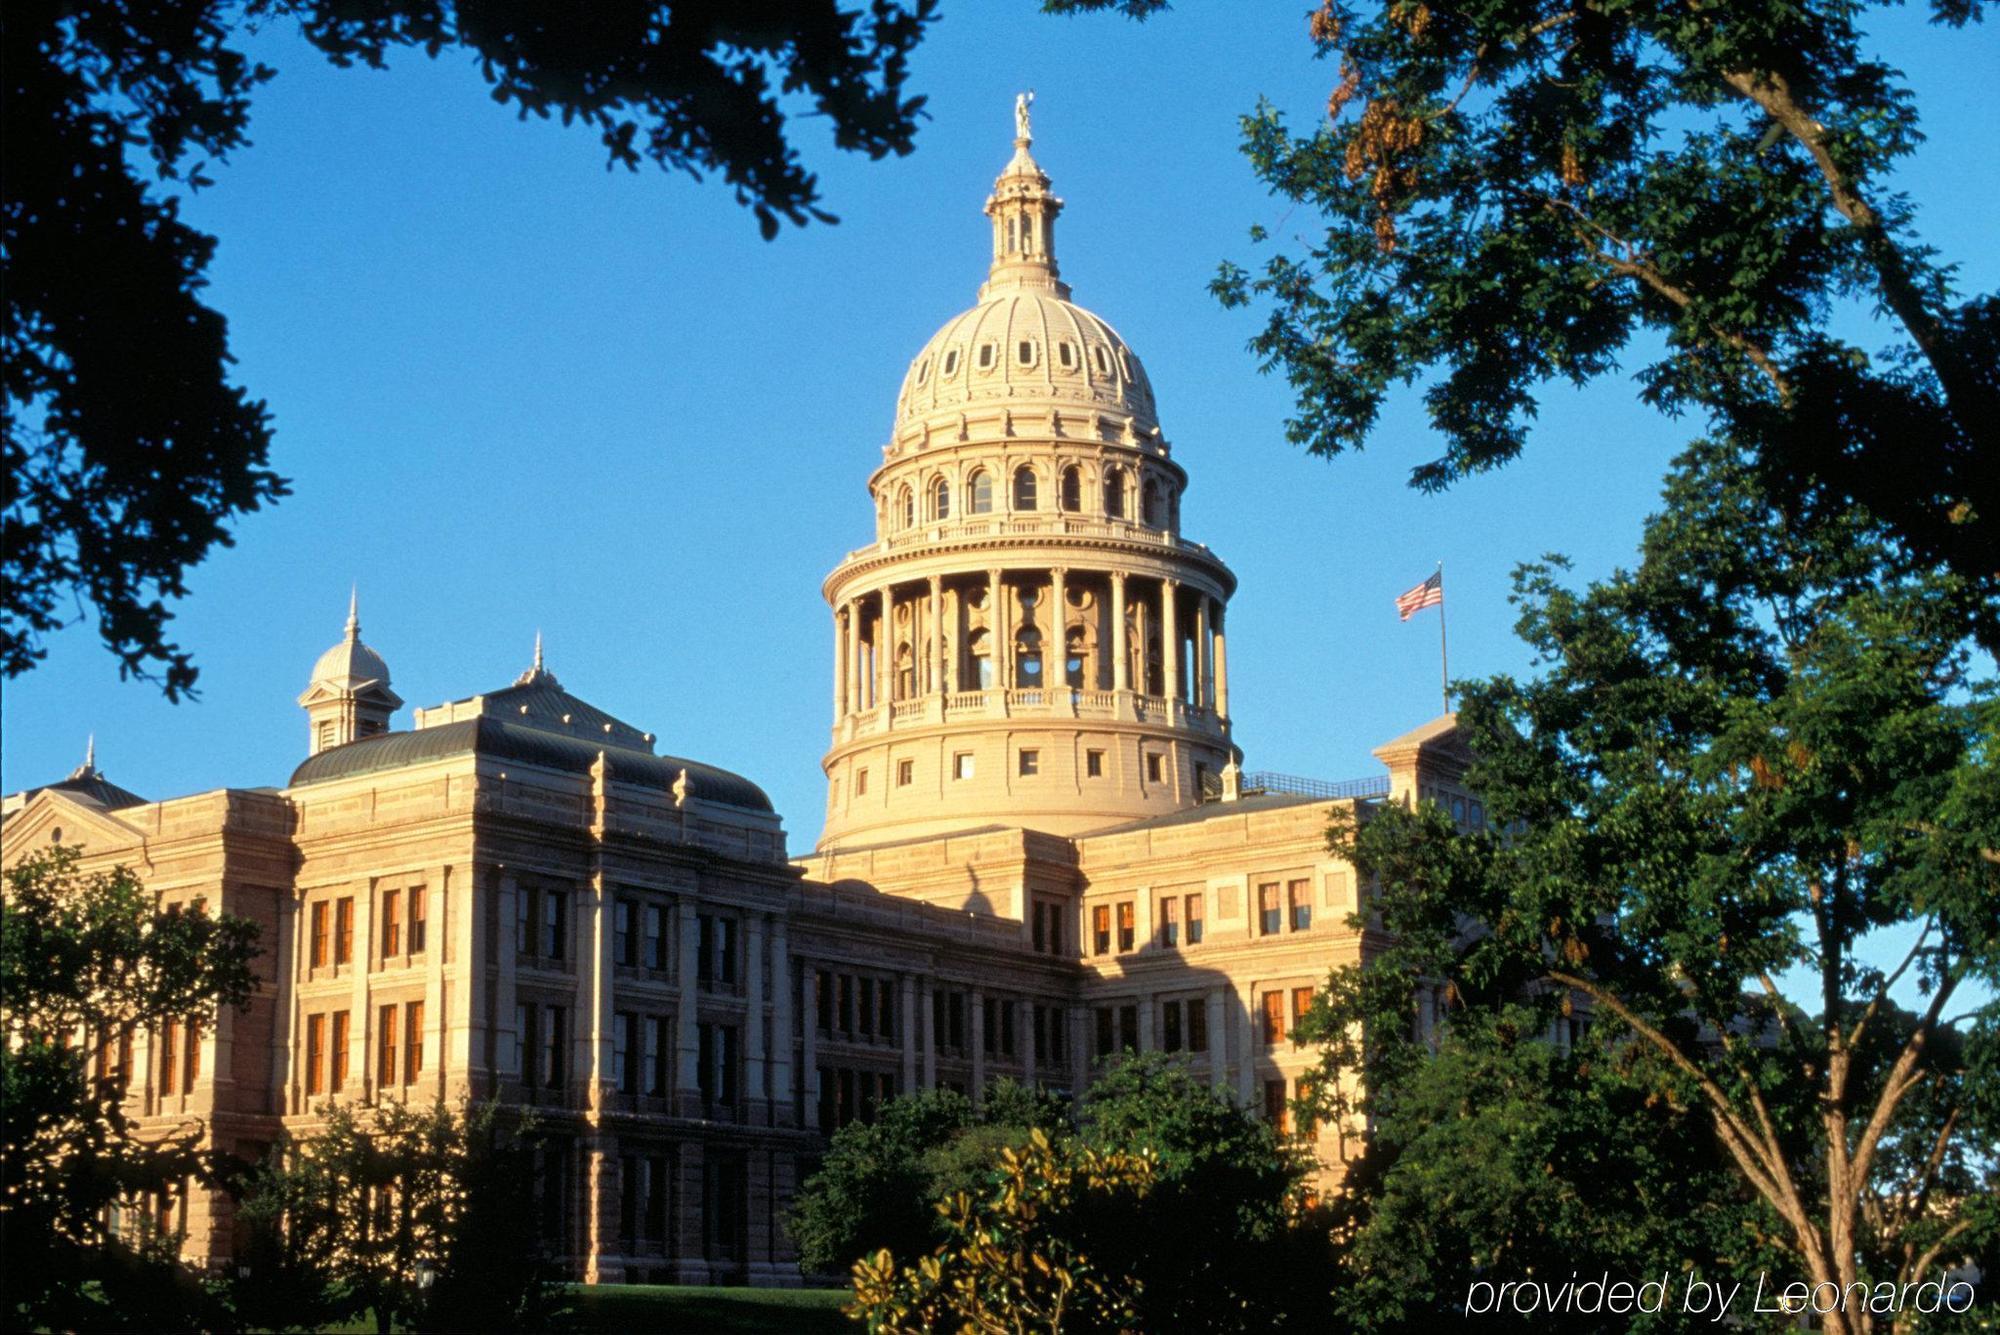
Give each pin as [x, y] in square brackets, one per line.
[81, 824]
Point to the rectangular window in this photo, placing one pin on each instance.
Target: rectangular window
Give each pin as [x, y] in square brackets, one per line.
[385, 1053]
[315, 1051]
[1100, 929]
[524, 921]
[1170, 922]
[1156, 767]
[1106, 1031]
[343, 930]
[1127, 926]
[885, 1009]
[191, 1058]
[1194, 903]
[1302, 1000]
[961, 765]
[860, 782]
[413, 1042]
[337, 1076]
[1170, 1027]
[1031, 762]
[989, 1027]
[320, 940]
[955, 1029]
[906, 771]
[419, 918]
[1197, 1026]
[1128, 1028]
[630, 1189]
[717, 1057]
[656, 1056]
[165, 1056]
[656, 937]
[1039, 913]
[625, 1052]
[1093, 764]
[554, 1026]
[1299, 898]
[1268, 919]
[623, 942]
[1276, 1111]
[1006, 1028]
[864, 1007]
[1274, 1018]
[555, 924]
[392, 924]
[525, 1047]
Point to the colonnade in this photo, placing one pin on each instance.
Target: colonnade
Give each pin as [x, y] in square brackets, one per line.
[874, 665]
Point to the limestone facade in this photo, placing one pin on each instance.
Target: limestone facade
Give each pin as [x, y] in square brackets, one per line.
[1040, 847]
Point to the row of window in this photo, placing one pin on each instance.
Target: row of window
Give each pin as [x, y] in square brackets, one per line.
[1156, 499]
[399, 1047]
[640, 938]
[1027, 765]
[856, 1008]
[1184, 1022]
[400, 937]
[849, 1095]
[1027, 352]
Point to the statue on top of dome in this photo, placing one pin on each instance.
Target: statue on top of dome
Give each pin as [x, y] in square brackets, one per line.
[1022, 101]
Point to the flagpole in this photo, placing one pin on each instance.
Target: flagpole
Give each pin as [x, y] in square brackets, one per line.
[1444, 658]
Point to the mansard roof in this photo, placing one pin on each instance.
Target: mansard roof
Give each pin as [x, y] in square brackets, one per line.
[488, 735]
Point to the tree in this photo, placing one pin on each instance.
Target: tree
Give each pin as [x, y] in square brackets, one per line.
[1222, 1242]
[87, 962]
[1010, 1262]
[1761, 755]
[424, 1217]
[1516, 192]
[880, 1183]
[127, 452]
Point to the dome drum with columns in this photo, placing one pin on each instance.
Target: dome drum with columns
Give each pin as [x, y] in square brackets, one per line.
[1029, 640]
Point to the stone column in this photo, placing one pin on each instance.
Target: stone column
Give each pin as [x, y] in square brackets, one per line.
[361, 1030]
[1147, 1003]
[1001, 646]
[285, 1008]
[753, 1020]
[906, 996]
[782, 1113]
[1247, 1045]
[1170, 636]
[591, 1042]
[937, 681]
[1204, 677]
[927, 1018]
[809, 1048]
[839, 666]
[1079, 1047]
[853, 664]
[1221, 665]
[1055, 654]
[1121, 656]
[976, 1039]
[687, 1090]
[1031, 1042]
[885, 650]
[1218, 1038]
[441, 1062]
[506, 1036]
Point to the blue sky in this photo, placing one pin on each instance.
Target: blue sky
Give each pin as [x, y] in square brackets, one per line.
[516, 392]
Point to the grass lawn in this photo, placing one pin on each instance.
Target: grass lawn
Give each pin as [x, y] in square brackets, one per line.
[693, 1311]
[674, 1310]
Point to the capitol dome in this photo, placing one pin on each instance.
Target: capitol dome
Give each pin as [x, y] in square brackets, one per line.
[1025, 345]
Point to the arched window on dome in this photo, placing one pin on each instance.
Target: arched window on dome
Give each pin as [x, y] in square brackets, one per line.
[1066, 355]
[906, 507]
[950, 362]
[1024, 489]
[941, 499]
[979, 494]
[980, 646]
[1071, 498]
[1102, 358]
[1028, 659]
[1076, 658]
[906, 673]
[1114, 492]
[1152, 511]
[923, 370]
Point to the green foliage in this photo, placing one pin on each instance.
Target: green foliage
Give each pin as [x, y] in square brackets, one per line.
[1222, 1241]
[1761, 755]
[127, 453]
[1011, 1262]
[1516, 192]
[423, 1216]
[879, 1183]
[86, 962]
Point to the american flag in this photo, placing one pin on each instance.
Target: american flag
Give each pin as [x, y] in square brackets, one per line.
[1430, 593]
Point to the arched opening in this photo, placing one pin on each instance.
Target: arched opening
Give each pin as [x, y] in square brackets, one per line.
[940, 499]
[1153, 510]
[906, 506]
[979, 494]
[980, 646]
[906, 673]
[1076, 658]
[1028, 659]
[1114, 492]
[1072, 489]
[1024, 489]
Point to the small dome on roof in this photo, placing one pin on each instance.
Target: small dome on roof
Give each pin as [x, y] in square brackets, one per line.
[350, 663]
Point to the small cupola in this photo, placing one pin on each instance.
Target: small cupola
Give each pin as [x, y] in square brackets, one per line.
[348, 697]
[1023, 210]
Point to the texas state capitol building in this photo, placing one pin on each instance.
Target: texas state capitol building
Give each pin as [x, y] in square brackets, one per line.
[1039, 846]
